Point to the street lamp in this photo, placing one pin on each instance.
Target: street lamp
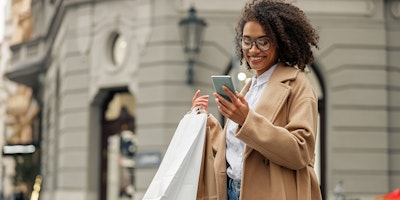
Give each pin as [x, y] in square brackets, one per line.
[192, 35]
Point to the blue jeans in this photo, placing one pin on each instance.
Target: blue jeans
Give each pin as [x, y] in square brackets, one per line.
[233, 189]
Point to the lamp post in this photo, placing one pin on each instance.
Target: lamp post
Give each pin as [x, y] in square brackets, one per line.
[192, 35]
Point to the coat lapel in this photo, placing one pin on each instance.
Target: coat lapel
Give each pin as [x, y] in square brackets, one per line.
[273, 99]
[275, 94]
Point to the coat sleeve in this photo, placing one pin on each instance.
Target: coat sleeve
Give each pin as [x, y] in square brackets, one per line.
[216, 131]
[290, 144]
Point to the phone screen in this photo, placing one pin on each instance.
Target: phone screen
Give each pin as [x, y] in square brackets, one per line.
[219, 81]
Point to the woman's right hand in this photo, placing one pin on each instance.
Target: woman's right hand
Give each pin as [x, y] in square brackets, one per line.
[200, 101]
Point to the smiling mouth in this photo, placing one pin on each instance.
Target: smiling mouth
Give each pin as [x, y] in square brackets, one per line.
[256, 58]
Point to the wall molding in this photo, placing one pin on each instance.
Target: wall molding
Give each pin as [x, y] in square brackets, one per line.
[334, 7]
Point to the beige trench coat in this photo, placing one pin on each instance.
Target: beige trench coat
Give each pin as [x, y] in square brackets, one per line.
[280, 135]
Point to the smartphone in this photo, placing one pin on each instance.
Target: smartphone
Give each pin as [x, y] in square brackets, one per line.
[219, 81]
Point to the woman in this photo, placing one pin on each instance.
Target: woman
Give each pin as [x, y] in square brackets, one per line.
[266, 149]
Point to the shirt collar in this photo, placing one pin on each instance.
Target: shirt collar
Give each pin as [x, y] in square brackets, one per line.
[263, 78]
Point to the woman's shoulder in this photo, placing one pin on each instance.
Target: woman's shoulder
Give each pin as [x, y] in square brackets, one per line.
[302, 85]
[283, 73]
[297, 80]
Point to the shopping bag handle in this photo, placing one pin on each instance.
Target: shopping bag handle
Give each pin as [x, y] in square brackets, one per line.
[198, 110]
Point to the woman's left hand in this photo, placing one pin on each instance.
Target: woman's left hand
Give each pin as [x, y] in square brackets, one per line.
[236, 110]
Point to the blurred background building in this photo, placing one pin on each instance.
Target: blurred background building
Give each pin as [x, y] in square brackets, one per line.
[92, 91]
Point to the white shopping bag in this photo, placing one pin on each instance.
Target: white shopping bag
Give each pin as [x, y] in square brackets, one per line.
[178, 175]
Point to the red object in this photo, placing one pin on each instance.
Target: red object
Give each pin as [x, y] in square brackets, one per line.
[395, 195]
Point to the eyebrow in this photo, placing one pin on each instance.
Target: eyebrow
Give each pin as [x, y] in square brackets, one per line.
[255, 38]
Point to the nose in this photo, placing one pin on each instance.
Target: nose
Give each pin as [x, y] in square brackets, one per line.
[254, 47]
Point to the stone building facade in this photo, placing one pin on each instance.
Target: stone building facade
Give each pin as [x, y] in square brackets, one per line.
[101, 68]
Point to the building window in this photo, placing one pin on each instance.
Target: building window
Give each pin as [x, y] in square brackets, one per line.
[118, 49]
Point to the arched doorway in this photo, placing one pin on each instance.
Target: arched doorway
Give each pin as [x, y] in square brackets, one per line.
[118, 146]
[317, 81]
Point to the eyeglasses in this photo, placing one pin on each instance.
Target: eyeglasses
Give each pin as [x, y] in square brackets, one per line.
[262, 43]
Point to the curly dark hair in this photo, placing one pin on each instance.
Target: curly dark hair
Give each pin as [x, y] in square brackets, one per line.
[286, 25]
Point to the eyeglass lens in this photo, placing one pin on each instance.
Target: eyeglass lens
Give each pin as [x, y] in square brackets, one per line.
[262, 43]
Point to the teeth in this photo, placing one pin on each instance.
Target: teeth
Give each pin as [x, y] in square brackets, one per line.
[255, 58]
